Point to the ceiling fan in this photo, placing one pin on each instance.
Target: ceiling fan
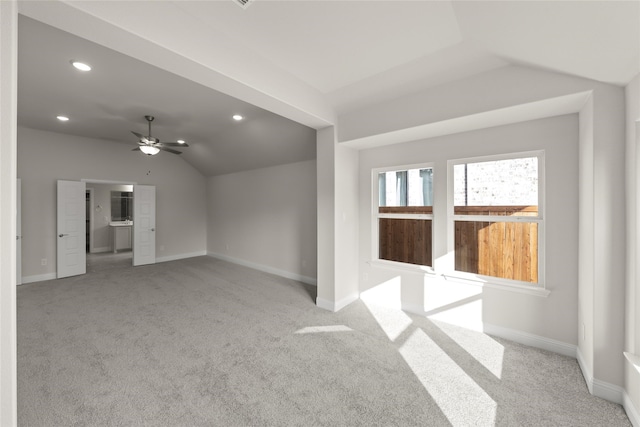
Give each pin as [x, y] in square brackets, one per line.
[152, 146]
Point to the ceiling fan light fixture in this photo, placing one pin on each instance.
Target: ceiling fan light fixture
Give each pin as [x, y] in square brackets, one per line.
[81, 66]
[149, 150]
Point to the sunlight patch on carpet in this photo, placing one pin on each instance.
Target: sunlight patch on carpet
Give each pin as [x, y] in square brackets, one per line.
[392, 321]
[459, 397]
[487, 351]
[319, 329]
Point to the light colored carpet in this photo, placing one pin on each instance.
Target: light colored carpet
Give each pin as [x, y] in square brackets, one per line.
[201, 342]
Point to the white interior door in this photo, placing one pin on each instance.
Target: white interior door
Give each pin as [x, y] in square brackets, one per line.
[72, 258]
[19, 233]
[144, 224]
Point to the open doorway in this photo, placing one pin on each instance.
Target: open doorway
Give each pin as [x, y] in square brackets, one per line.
[109, 228]
[137, 218]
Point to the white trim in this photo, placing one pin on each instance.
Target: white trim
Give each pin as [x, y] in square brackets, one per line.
[631, 410]
[586, 373]
[608, 391]
[497, 218]
[267, 269]
[180, 256]
[496, 283]
[107, 181]
[38, 278]
[405, 216]
[464, 278]
[337, 305]
[531, 340]
[599, 388]
[101, 250]
[395, 265]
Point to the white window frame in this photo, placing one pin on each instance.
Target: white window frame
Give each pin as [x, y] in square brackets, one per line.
[539, 219]
[375, 216]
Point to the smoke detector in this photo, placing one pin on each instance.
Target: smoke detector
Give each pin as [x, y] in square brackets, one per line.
[243, 3]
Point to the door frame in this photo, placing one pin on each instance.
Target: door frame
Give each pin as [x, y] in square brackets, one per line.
[91, 219]
[105, 181]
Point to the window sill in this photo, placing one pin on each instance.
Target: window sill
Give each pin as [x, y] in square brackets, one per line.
[411, 268]
[428, 271]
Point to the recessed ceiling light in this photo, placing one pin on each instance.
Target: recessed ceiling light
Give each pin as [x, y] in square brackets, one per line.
[237, 117]
[81, 66]
[62, 118]
[180, 141]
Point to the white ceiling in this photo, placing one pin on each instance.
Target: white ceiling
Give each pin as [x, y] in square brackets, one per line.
[321, 58]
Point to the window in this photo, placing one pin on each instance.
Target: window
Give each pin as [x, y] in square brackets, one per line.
[497, 216]
[405, 215]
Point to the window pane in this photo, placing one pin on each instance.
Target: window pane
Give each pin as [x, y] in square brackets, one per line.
[413, 187]
[511, 184]
[508, 250]
[405, 240]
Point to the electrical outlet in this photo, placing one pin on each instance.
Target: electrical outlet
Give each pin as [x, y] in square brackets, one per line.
[43, 261]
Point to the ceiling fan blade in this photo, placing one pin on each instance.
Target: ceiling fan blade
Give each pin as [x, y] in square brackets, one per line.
[170, 150]
[173, 144]
[139, 135]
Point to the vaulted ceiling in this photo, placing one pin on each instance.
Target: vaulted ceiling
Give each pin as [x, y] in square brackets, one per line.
[289, 66]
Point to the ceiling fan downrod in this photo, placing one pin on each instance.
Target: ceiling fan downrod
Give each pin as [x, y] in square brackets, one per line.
[149, 119]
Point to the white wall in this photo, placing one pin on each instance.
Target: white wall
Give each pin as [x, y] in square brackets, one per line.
[266, 218]
[553, 317]
[510, 91]
[632, 312]
[337, 222]
[8, 208]
[45, 157]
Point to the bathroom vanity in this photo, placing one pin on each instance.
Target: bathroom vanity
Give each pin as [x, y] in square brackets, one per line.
[121, 235]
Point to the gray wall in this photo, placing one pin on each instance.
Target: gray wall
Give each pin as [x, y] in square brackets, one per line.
[266, 218]
[45, 157]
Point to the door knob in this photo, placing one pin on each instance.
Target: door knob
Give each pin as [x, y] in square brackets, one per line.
[61, 235]
[153, 229]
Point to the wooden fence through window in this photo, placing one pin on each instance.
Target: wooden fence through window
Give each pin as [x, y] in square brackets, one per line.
[499, 249]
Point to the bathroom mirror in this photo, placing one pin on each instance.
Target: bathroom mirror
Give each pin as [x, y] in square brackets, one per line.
[121, 205]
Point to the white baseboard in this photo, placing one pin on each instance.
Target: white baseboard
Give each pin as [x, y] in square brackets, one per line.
[599, 388]
[531, 339]
[180, 256]
[38, 278]
[282, 273]
[337, 305]
[101, 250]
[632, 411]
[608, 391]
[586, 372]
